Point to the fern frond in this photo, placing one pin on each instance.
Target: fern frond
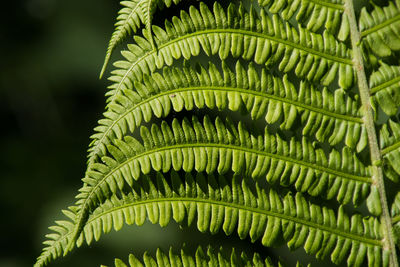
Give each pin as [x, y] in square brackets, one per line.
[380, 28]
[296, 66]
[214, 257]
[265, 40]
[390, 149]
[58, 239]
[314, 13]
[328, 116]
[395, 212]
[213, 204]
[385, 87]
[223, 147]
[134, 13]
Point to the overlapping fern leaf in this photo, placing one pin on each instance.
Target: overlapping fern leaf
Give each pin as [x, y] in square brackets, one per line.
[213, 203]
[380, 28]
[256, 92]
[314, 14]
[266, 40]
[130, 17]
[316, 84]
[385, 88]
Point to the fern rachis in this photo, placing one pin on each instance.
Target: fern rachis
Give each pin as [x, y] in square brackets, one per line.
[325, 101]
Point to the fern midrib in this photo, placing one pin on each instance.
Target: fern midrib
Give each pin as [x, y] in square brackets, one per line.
[231, 31]
[126, 22]
[385, 23]
[235, 147]
[280, 157]
[384, 85]
[50, 249]
[232, 89]
[390, 148]
[265, 36]
[255, 93]
[238, 206]
[83, 209]
[327, 4]
[148, 20]
[116, 36]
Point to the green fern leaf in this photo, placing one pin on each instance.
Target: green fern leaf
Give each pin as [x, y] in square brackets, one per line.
[223, 147]
[214, 257]
[58, 239]
[221, 205]
[385, 87]
[257, 214]
[129, 20]
[380, 28]
[259, 93]
[390, 147]
[316, 14]
[395, 212]
[263, 39]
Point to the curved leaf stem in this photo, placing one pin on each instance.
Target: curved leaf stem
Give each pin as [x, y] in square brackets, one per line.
[389, 149]
[380, 26]
[316, 167]
[261, 211]
[377, 176]
[328, 4]
[114, 40]
[303, 49]
[384, 85]
[264, 95]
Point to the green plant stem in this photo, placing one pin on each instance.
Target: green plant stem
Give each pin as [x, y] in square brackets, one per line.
[377, 177]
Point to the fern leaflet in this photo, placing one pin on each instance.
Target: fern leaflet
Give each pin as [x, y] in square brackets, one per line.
[259, 93]
[129, 19]
[262, 39]
[380, 28]
[316, 14]
[222, 205]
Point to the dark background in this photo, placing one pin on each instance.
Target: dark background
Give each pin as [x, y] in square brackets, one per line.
[51, 98]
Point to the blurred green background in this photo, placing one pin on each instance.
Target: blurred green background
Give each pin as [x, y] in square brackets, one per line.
[51, 55]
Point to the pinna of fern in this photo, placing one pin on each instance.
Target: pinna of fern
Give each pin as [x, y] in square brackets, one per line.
[214, 203]
[117, 170]
[313, 14]
[134, 13]
[288, 62]
[380, 28]
[385, 88]
[221, 147]
[137, 12]
[249, 35]
[241, 89]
